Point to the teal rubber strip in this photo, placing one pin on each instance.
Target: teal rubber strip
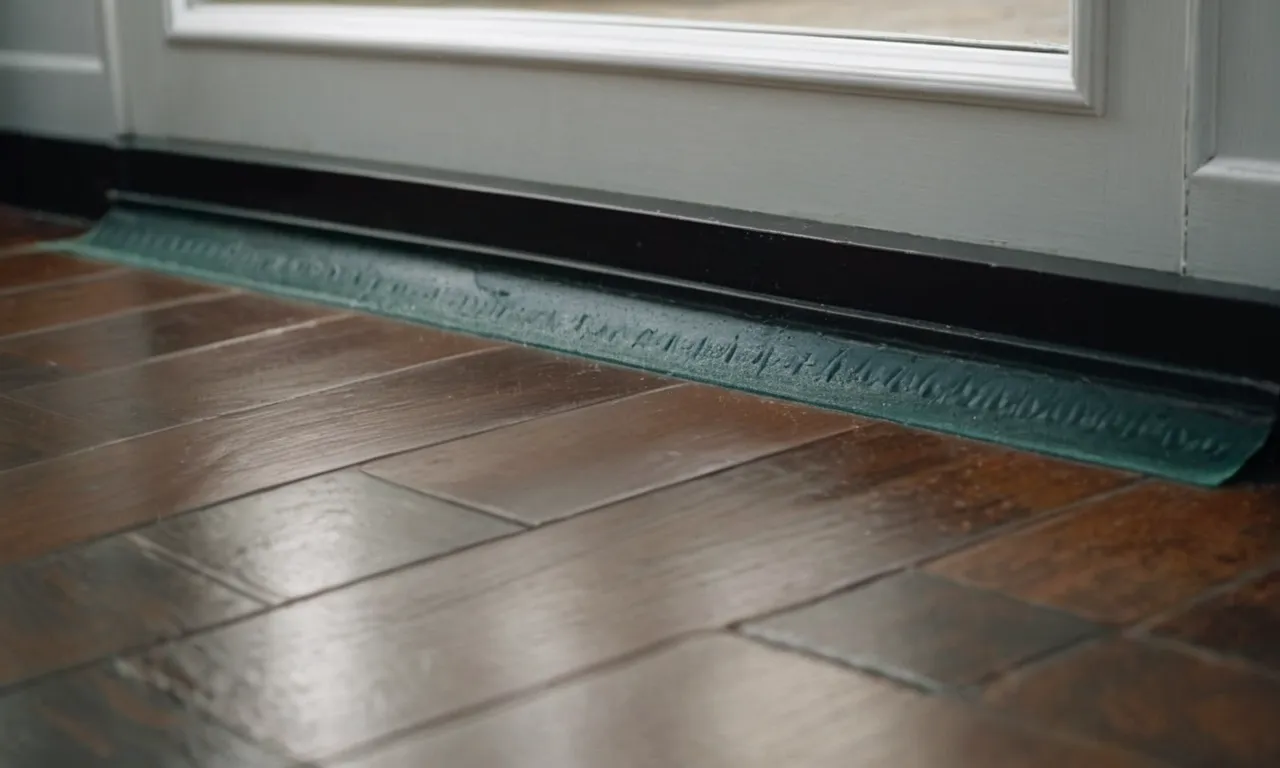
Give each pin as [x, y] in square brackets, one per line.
[1068, 417]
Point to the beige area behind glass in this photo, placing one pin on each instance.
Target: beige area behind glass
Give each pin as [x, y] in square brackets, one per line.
[1014, 21]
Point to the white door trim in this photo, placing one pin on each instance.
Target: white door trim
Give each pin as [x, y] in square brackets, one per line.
[1233, 155]
[918, 69]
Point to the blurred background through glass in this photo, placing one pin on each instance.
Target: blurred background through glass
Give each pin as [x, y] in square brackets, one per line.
[1020, 22]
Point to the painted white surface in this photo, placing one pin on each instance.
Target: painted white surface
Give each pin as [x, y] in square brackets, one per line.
[1249, 60]
[1176, 175]
[1233, 203]
[966, 73]
[1234, 222]
[1108, 188]
[49, 26]
[53, 77]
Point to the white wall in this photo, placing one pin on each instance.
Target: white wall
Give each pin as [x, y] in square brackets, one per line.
[55, 76]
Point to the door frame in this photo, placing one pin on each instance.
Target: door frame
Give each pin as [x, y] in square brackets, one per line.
[1106, 188]
[1177, 173]
[1233, 144]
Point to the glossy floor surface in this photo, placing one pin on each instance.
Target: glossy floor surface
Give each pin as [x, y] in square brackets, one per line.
[242, 532]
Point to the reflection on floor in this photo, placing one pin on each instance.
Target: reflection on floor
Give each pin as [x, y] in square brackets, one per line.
[241, 532]
[1008, 21]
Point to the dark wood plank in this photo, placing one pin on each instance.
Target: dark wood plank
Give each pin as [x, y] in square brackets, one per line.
[141, 480]
[18, 228]
[27, 270]
[320, 533]
[1187, 710]
[721, 701]
[129, 339]
[112, 294]
[29, 435]
[1132, 555]
[551, 468]
[99, 720]
[528, 609]
[1244, 622]
[925, 630]
[99, 600]
[18, 372]
[235, 377]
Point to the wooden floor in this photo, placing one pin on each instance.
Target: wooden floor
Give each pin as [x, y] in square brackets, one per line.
[240, 532]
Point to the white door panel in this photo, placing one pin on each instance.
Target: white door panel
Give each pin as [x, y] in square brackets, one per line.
[1233, 208]
[1107, 188]
[54, 77]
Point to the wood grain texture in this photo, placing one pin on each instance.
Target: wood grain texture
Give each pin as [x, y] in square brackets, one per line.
[720, 702]
[526, 610]
[320, 533]
[97, 601]
[443, 636]
[29, 435]
[925, 630]
[1243, 622]
[1132, 555]
[254, 372]
[125, 340]
[27, 270]
[19, 227]
[556, 467]
[112, 294]
[1169, 705]
[140, 480]
[98, 720]
[17, 372]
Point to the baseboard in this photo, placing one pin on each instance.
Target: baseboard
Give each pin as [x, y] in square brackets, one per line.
[60, 176]
[1158, 330]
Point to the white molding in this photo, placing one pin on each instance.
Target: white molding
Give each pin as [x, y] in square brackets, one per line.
[1232, 171]
[1203, 42]
[1200, 142]
[1240, 170]
[35, 61]
[1233, 232]
[1088, 52]
[113, 63]
[1036, 79]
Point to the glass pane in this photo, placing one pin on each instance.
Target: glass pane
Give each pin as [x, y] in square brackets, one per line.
[1021, 22]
